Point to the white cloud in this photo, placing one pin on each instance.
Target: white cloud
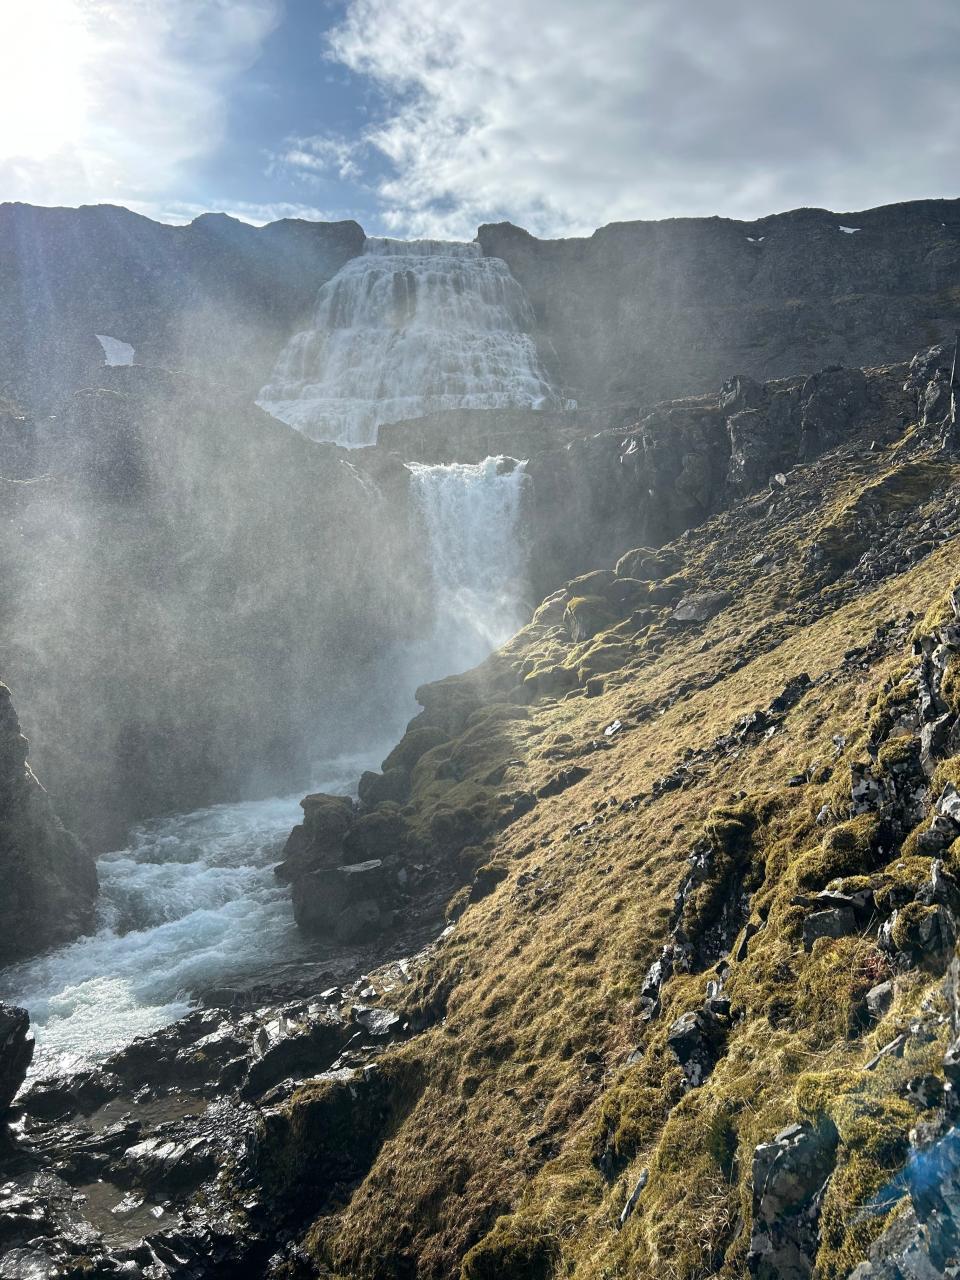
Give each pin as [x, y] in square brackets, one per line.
[115, 99]
[564, 116]
[320, 156]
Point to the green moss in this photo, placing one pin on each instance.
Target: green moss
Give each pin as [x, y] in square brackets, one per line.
[849, 849]
[518, 1249]
[900, 881]
[900, 755]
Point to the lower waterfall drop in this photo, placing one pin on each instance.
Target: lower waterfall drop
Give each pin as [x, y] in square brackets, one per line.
[473, 515]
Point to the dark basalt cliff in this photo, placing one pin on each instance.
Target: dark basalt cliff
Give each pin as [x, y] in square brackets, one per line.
[49, 882]
[216, 298]
[647, 311]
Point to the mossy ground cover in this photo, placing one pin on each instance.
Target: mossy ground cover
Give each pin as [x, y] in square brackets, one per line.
[543, 1092]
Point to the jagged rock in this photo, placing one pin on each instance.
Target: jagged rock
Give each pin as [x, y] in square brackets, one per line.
[695, 1040]
[830, 400]
[16, 1052]
[701, 606]
[788, 1176]
[294, 1046]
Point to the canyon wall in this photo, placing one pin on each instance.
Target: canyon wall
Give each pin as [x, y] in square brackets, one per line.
[217, 297]
[646, 311]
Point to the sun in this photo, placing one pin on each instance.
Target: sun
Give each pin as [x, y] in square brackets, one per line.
[45, 55]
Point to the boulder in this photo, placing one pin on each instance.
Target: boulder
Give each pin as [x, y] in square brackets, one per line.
[344, 903]
[645, 564]
[584, 616]
[788, 1174]
[837, 922]
[392, 786]
[411, 748]
[701, 606]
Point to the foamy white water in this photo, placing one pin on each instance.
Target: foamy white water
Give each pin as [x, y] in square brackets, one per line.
[473, 514]
[192, 903]
[409, 327]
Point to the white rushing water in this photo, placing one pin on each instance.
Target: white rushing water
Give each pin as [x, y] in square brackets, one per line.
[192, 903]
[472, 514]
[409, 327]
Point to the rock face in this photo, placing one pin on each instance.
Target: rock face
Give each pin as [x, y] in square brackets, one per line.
[772, 297]
[49, 880]
[16, 1053]
[685, 460]
[217, 298]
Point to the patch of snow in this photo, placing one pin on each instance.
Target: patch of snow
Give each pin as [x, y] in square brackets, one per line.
[115, 351]
[756, 239]
[850, 230]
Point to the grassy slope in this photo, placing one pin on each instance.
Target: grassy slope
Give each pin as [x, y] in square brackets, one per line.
[529, 1126]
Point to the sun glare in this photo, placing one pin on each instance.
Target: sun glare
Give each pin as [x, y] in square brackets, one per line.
[45, 53]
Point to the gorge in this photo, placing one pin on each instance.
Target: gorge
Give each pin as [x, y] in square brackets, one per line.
[658, 529]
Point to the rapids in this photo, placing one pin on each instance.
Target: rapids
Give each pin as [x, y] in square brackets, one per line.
[191, 903]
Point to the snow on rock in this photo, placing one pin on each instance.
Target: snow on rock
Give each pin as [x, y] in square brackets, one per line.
[115, 351]
[851, 230]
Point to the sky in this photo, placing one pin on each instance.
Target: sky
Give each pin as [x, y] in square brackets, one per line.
[429, 117]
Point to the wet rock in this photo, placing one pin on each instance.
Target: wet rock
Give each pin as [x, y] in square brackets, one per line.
[290, 1045]
[16, 1052]
[169, 1163]
[789, 1174]
[700, 607]
[49, 880]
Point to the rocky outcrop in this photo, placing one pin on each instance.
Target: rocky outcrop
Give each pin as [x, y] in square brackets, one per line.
[685, 460]
[217, 298]
[49, 880]
[785, 293]
[16, 1053]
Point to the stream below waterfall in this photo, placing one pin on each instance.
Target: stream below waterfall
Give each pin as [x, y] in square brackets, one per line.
[191, 903]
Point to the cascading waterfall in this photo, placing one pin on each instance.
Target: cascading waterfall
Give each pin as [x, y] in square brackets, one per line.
[472, 514]
[405, 329]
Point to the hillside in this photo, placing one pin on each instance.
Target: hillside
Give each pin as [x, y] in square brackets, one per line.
[694, 1010]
